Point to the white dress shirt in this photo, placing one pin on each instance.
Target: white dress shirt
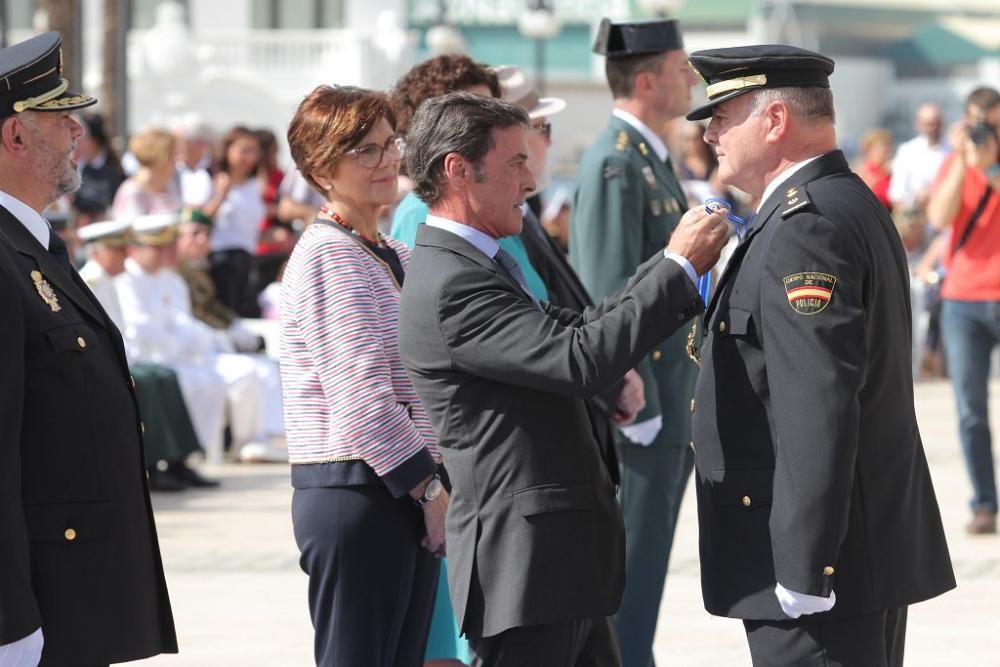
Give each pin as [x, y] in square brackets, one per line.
[25, 652]
[914, 168]
[29, 217]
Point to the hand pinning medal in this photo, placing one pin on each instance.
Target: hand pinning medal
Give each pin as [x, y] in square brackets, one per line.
[45, 291]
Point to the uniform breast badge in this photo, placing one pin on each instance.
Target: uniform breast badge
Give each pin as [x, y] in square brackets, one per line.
[647, 173]
[643, 149]
[654, 207]
[622, 141]
[45, 291]
[694, 354]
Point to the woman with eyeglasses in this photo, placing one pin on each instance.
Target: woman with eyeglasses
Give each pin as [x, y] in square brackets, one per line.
[368, 507]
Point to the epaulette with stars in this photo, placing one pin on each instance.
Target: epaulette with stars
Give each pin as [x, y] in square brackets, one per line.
[796, 198]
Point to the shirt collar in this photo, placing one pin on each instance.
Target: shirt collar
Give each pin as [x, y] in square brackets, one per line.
[484, 242]
[29, 217]
[782, 177]
[655, 142]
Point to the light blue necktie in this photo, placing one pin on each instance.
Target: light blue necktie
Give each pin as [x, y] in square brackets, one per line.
[510, 265]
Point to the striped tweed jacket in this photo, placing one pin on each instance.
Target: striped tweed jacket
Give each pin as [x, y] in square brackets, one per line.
[347, 397]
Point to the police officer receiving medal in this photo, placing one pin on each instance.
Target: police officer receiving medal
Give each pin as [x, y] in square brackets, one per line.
[627, 205]
[81, 582]
[818, 520]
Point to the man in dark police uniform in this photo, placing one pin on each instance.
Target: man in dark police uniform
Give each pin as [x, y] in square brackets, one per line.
[81, 582]
[818, 519]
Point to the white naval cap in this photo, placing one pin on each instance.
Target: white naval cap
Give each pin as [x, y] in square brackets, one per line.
[108, 232]
[156, 229]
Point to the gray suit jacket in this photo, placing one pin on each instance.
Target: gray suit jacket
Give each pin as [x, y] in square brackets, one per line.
[534, 531]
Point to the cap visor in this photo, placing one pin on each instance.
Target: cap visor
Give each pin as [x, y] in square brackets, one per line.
[66, 102]
[705, 110]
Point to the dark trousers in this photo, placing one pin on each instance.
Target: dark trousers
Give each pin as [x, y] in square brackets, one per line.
[371, 584]
[230, 271]
[653, 480]
[585, 643]
[875, 639]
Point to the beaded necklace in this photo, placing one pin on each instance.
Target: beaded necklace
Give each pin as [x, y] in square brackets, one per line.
[336, 217]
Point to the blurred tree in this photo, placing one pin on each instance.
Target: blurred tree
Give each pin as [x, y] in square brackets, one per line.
[61, 15]
[113, 69]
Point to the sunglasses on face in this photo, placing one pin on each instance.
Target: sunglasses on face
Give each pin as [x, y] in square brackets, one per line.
[369, 156]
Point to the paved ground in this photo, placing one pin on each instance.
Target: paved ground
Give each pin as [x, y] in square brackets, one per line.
[239, 598]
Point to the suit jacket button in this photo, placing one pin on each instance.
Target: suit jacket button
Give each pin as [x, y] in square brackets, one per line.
[69, 534]
[722, 326]
[828, 570]
[746, 501]
[681, 316]
[656, 355]
[81, 342]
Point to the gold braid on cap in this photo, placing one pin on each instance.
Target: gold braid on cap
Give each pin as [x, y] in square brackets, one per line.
[738, 83]
[32, 102]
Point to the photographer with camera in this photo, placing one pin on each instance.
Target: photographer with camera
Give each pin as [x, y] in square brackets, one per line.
[966, 200]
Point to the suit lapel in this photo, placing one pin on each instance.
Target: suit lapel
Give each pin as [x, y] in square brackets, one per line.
[65, 279]
[438, 238]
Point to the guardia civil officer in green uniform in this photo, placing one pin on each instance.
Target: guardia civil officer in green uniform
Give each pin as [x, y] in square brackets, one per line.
[81, 581]
[818, 521]
[627, 203]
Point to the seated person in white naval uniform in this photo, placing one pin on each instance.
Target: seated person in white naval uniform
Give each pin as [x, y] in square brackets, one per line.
[169, 433]
[157, 311]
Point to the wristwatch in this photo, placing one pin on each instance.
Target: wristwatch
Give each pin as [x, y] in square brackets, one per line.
[431, 491]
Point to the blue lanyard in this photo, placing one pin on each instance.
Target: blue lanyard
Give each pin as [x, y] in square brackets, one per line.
[713, 204]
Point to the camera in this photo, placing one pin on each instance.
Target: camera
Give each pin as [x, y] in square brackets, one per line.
[981, 132]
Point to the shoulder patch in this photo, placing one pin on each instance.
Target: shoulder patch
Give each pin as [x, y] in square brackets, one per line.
[796, 198]
[809, 293]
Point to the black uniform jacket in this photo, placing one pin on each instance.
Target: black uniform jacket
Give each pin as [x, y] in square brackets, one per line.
[810, 468]
[78, 549]
[535, 534]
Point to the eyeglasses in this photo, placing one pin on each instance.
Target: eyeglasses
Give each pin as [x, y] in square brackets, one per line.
[370, 155]
[545, 129]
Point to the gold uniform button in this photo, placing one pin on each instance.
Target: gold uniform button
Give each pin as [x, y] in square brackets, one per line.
[142, 427]
[746, 501]
[828, 570]
[656, 355]
[722, 327]
[131, 381]
[69, 534]
[81, 342]
[692, 406]
[692, 446]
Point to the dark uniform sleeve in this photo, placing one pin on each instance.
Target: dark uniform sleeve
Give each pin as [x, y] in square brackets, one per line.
[813, 333]
[19, 614]
[607, 219]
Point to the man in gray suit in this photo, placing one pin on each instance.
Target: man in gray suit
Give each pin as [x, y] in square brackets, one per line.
[534, 533]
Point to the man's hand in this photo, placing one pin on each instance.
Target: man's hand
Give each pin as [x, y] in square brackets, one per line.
[434, 513]
[631, 400]
[700, 237]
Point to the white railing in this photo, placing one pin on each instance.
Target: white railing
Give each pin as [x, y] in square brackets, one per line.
[507, 12]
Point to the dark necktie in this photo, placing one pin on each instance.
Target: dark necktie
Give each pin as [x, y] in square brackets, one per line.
[57, 248]
[509, 264]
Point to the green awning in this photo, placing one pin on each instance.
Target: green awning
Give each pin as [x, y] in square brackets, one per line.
[936, 45]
